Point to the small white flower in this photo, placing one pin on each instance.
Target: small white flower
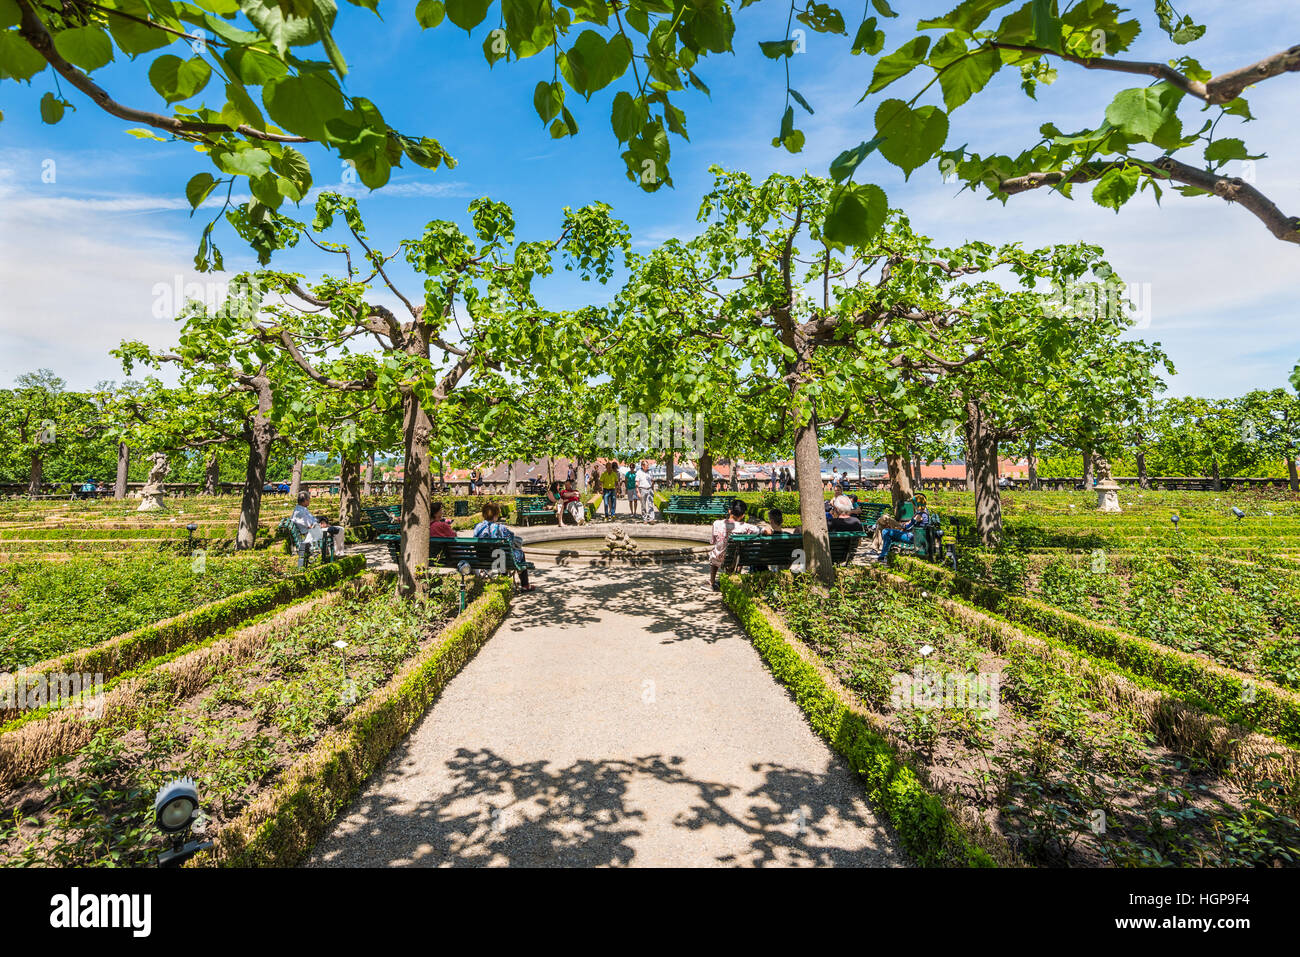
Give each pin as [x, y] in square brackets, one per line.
[340, 644]
[926, 651]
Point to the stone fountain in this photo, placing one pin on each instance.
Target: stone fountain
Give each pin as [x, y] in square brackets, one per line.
[618, 541]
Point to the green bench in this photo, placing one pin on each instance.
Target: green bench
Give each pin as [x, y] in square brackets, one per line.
[530, 507]
[777, 551]
[493, 555]
[382, 520]
[868, 512]
[693, 507]
[927, 541]
[302, 545]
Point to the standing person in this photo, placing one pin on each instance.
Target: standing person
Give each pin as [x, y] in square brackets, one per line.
[492, 527]
[645, 489]
[475, 479]
[723, 529]
[630, 488]
[609, 489]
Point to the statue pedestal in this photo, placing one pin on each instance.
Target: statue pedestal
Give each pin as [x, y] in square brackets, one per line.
[151, 499]
[1107, 496]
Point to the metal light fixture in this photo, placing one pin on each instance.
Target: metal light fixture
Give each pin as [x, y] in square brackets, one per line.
[1174, 518]
[463, 568]
[952, 557]
[192, 527]
[174, 810]
[1238, 512]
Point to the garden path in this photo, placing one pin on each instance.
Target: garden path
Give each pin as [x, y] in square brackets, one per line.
[618, 717]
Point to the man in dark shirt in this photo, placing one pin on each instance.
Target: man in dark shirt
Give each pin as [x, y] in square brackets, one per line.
[842, 518]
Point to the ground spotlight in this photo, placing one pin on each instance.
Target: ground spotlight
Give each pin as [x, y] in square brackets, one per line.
[1238, 512]
[192, 527]
[1174, 518]
[463, 568]
[174, 810]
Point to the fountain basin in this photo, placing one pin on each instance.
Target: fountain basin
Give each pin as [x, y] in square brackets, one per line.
[585, 544]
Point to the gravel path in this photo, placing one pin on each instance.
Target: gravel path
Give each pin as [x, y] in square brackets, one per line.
[618, 717]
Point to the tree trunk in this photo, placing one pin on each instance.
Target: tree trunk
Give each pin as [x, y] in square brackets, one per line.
[295, 480]
[1087, 466]
[916, 472]
[1215, 477]
[1143, 481]
[812, 503]
[349, 492]
[705, 467]
[970, 468]
[668, 470]
[123, 466]
[511, 484]
[418, 430]
[35, 475]
[1032, 459]
[370, 474]
[900, 481]
[859, 465]
[211, 474]
[982, 448]
[1292, 478]
[250, 508]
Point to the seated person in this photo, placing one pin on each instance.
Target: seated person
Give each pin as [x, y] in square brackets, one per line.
[439, 527]
[775, 525]
[723, 529]
[573, 503]
[313, 531]
[556, 501]
[491, 527]
[843, 519]
[904, 534]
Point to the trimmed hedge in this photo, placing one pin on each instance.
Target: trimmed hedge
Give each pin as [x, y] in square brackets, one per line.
[1274, 709]
[282, 827]
[926, 827]
[126, 651]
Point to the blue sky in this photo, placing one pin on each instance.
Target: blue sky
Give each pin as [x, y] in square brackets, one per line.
[80, 257]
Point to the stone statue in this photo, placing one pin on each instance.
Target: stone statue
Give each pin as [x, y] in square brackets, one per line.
[618, 540]
[1107, 488]
[152, 494]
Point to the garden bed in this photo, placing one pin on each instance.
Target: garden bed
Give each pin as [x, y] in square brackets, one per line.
[1060, 772]
[235, 716]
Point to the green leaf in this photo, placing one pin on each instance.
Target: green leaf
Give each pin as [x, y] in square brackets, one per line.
[869, 39]
[199, 188]
[10, 15]
[241, 108]
[1224, 150]
[883, 8]
[52, 108]
[627, 116]
[1116, 187]
[1140, 113]
[18, 61]
[87, 47]
[1047, 25]
[847, 163]
[467, 14]
[135, 38]
[910, 138]
[967, 75]
[429, 13]
[548, 100]
[247, 162]
[966, 17]
[899, 63]
[176, 79]
[855, 213]
[327, 41]
[776, 49]
[798, 98]
[303, 104]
